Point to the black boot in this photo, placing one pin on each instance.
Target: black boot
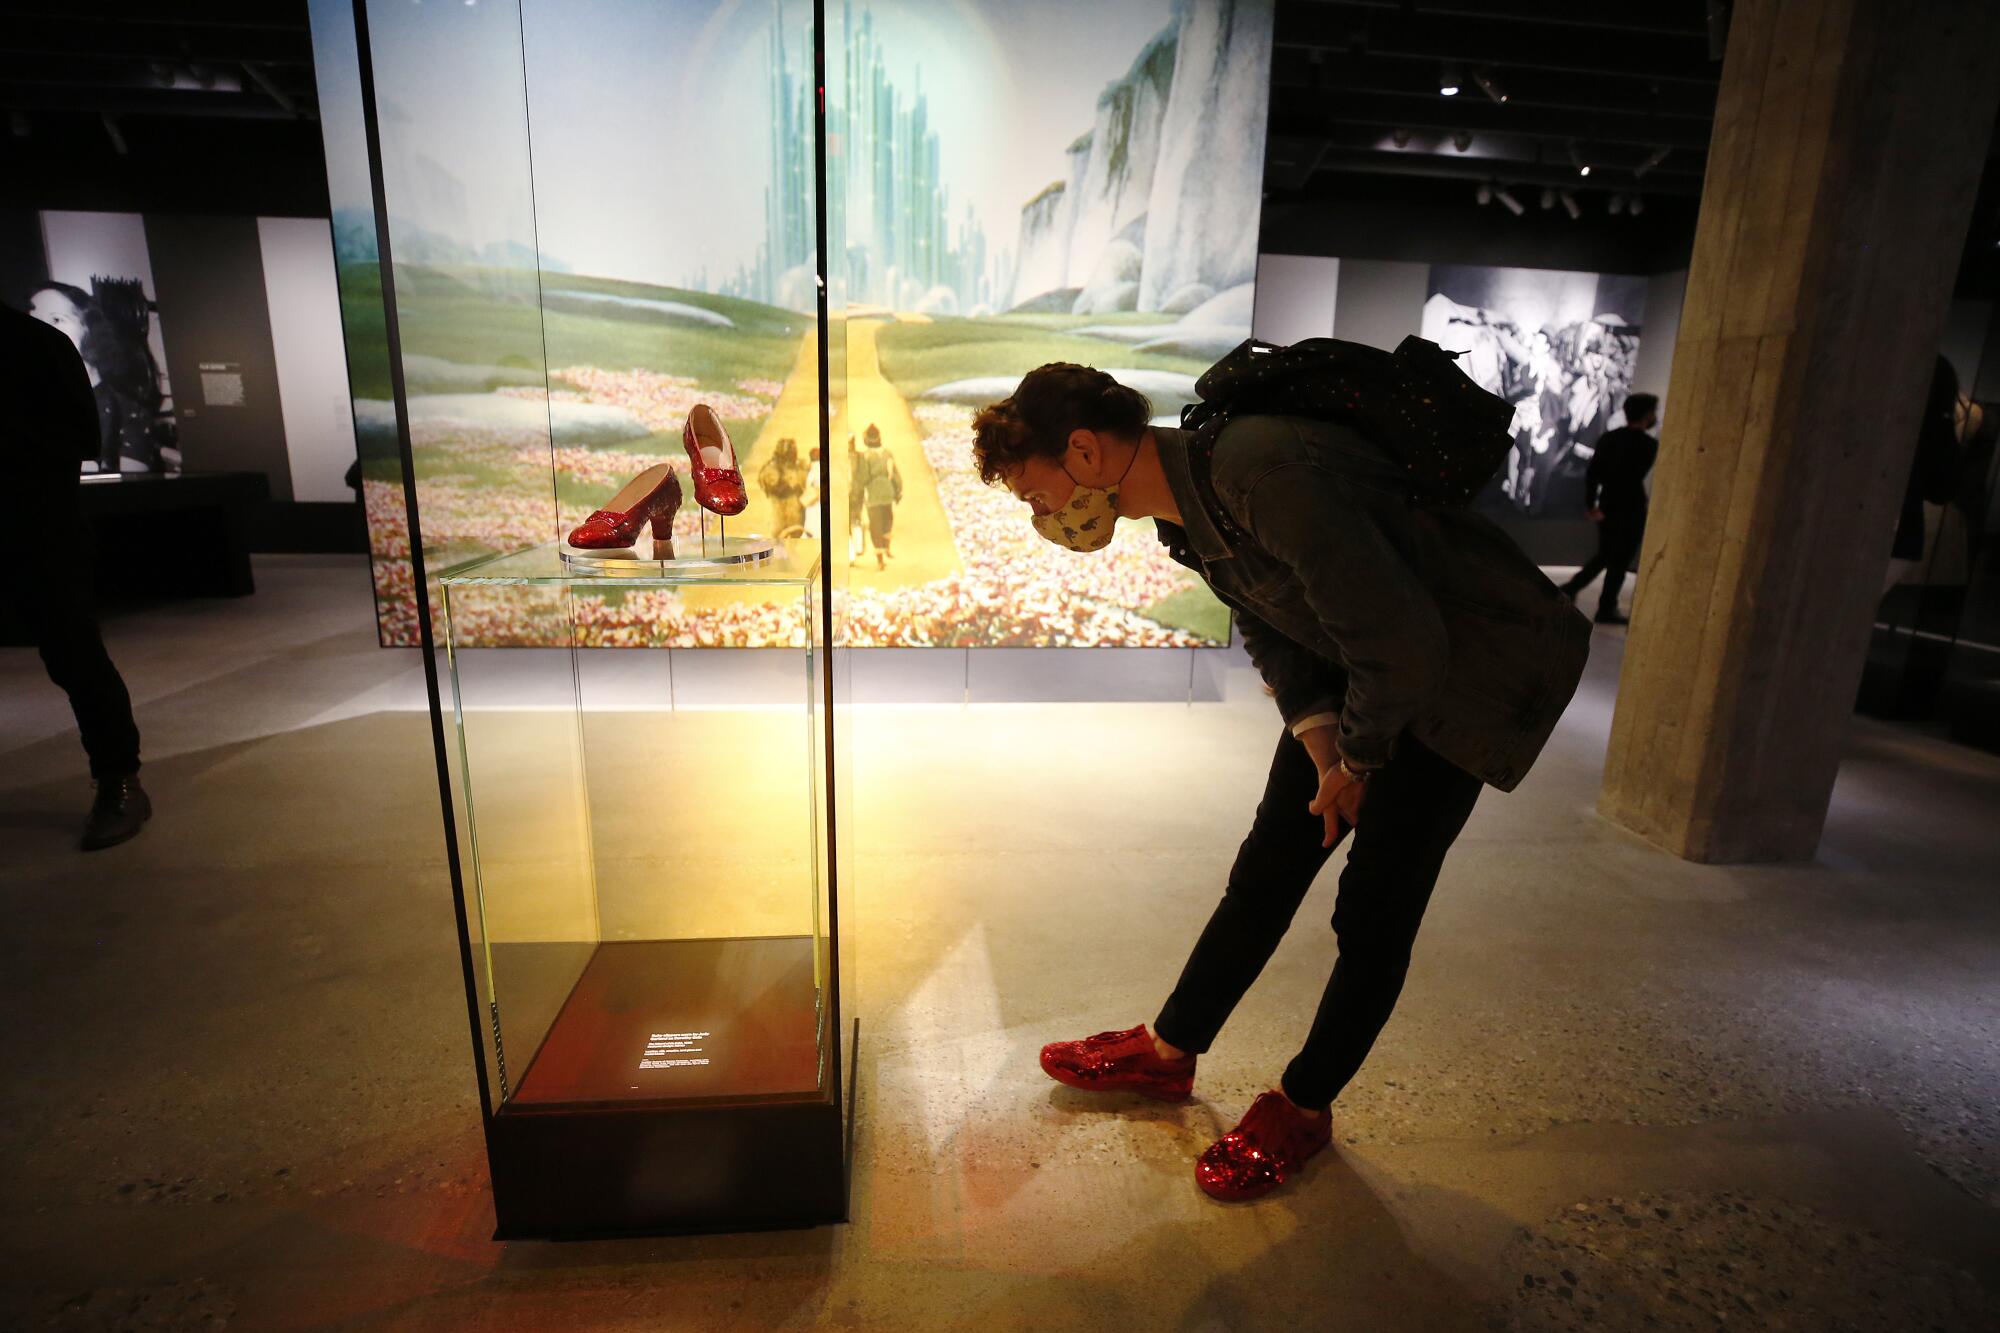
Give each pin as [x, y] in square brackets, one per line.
[1612, 617]
[120, 810]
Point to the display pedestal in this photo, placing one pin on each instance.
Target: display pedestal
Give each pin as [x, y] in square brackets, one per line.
[154, 535]
[649, 898]
[682, 1020]
[626, 1169]
[664, 560]
[746, 1139]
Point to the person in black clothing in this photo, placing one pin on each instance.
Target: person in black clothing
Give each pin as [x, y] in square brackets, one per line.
[1614, 494]
[55, 427]
[1934, 472]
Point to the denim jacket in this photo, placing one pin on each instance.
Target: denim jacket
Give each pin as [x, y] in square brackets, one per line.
[1352, 600]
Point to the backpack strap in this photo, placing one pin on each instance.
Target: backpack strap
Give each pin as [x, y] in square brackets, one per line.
[1201, 466]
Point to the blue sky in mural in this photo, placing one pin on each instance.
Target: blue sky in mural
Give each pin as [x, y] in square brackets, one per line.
[661, 116]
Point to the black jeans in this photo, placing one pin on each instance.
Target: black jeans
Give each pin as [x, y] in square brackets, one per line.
[1618, 538]
[1414, 810]
[59, 609]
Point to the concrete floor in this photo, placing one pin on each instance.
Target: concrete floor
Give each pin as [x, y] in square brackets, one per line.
[1621, 1091]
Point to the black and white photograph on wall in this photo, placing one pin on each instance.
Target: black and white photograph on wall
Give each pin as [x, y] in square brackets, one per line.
[1562, 347]
[112, 324]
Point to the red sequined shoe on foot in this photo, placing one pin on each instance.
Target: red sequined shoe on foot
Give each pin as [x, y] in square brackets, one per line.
[1267, 1147]
[1119, 1062]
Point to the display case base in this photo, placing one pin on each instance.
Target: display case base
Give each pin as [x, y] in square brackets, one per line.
[660, 559]
[645, 1170]
[681, 1086]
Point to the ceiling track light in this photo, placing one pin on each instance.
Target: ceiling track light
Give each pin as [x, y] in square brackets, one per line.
[1548, 197]
[1400, 137]
[1570, 205]
[18, 123]
[113, 133]
[1489, 85]
[1462, 141]
[1449, 81]
[1653, 159]
[1615, 205]
[1638, 205]
[1484, 194]
[1509, 202]
[1576, 159]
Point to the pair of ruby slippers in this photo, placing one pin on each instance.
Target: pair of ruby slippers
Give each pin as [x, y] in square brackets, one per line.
[654, 496]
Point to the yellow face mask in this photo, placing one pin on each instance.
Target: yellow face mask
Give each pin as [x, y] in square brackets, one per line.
[1086, 523]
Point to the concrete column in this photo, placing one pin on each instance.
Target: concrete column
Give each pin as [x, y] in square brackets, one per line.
[1849, 138]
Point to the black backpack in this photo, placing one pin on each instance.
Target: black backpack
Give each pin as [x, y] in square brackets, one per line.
[1450, 435]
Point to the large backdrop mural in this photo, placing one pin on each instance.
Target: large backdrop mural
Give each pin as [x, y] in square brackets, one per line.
[603, 213]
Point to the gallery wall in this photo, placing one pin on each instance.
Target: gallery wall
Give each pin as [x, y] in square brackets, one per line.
[210, 279]
[1297, 297]
[242, 332]
[1380, 302]
[304, 304]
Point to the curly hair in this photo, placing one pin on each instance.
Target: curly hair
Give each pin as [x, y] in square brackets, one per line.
[1049, 403]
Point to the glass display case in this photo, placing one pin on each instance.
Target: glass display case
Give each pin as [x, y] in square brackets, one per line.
[638, 747]
[646, 895]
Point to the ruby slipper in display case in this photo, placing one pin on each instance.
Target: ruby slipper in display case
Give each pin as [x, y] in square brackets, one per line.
[654, 496]
[718, 485]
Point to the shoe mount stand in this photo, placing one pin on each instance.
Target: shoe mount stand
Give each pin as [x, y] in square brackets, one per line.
[713, 548]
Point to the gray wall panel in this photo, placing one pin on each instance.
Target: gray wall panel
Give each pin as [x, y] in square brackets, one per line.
[209, 272]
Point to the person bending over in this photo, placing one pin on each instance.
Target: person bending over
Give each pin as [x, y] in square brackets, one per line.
[1415, 655]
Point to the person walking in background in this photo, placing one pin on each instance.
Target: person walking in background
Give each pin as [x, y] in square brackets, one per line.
[1614, 495]
[880, 485]
[55, 428]
[783, 481]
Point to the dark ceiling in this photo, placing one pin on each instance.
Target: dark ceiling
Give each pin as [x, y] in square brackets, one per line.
[1364, 144]
[1367, 156]
[193, 105]
[209, 105]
